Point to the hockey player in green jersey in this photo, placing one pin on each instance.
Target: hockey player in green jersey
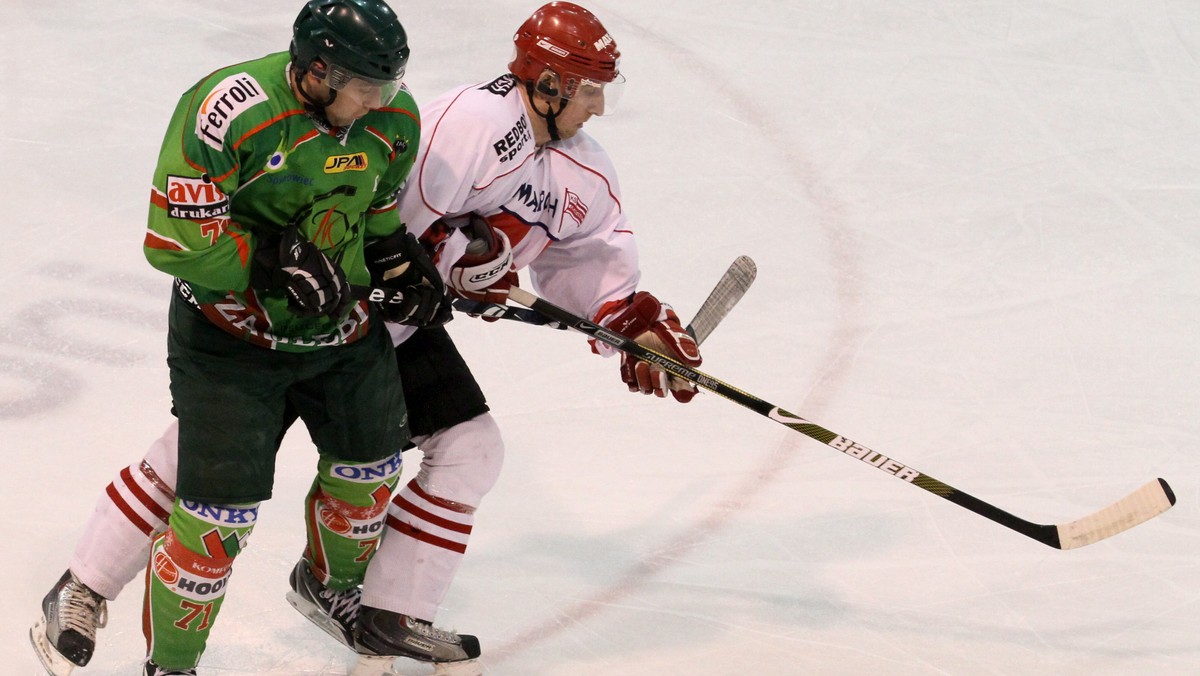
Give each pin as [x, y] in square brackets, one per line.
[274, 192]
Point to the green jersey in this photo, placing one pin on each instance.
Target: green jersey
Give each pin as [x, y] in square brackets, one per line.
[242, 160]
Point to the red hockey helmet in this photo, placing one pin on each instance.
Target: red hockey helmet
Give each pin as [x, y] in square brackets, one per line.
[569, 41]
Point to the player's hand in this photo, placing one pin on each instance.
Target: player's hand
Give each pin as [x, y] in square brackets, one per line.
[485, 272]
[314, 285]
[655, 325]
[399, 261]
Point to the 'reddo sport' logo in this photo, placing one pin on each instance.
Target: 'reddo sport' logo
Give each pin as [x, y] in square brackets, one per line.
[196, 199]
[502, 85]
[230, 98]
[342, 163]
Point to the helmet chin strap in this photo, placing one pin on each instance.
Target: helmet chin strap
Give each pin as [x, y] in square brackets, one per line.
[551, 115]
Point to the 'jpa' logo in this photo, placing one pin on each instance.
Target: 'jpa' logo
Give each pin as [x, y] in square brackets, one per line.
[340, 163]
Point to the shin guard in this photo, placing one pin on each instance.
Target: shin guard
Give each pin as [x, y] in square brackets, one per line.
[189, 569]
[344, 513]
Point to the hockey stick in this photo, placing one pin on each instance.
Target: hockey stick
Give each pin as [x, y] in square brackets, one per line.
[726, 294]
[1141, 505]
[386, 296]
[721, 300]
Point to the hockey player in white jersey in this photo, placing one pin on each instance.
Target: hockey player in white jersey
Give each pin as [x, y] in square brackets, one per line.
[505, 179]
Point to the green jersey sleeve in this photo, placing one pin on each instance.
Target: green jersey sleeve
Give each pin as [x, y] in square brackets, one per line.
[190, 233]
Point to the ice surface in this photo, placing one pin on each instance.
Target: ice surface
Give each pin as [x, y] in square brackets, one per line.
[974, 224]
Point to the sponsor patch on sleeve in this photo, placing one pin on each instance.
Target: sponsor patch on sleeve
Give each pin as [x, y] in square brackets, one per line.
[195, 198]
[230, 98]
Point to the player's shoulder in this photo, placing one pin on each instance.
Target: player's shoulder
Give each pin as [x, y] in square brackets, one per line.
[585, 152]
[481, 108]
[481, 115]
[239, 96]
[245, 84]
[402, 112]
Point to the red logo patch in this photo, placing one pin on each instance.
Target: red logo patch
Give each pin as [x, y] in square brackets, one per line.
[576, 208]
[334, 521]
[165, 569]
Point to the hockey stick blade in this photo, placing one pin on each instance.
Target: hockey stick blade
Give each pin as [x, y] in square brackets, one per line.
[1143, 504]
[725, 295]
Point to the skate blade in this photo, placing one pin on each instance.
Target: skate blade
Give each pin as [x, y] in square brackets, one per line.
[51, 659]
[464, 668]
[314, 615]
[381, 665]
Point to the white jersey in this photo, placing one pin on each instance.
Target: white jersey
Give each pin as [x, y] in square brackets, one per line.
[559, 205]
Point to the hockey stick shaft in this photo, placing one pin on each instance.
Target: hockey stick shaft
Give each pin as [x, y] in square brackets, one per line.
[728, 290]
[1146, 502]
[387, 296]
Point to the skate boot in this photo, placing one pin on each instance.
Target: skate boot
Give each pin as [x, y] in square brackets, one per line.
[332, 611]
[153, 669]
[65, 635]
[382, 632]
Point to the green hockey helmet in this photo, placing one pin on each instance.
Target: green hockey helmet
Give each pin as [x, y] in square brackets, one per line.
[338, 40]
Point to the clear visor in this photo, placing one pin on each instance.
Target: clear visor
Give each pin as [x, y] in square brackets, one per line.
[601, 98]
[367, 91]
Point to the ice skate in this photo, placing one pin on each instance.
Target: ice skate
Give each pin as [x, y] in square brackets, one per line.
[153, 669]
[382, 632]
[64, 637]
[332, 611]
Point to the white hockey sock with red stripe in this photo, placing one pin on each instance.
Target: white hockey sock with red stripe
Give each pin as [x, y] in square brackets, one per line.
[115, 543]
[419, 554]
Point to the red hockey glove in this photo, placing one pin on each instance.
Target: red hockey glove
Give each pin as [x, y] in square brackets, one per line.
[655, 325]
[485, 272]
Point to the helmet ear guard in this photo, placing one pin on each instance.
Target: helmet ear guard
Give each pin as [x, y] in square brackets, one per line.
[317, 68]
[547, 84]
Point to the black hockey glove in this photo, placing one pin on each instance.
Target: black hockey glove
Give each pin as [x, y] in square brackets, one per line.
[398, 261]
[314, 285]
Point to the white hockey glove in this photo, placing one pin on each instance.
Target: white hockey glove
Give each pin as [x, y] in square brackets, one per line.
[485, 272]
[655, 325]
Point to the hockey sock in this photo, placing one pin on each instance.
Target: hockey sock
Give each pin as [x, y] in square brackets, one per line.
[187, 576]
[344, 514]
[420, 554]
